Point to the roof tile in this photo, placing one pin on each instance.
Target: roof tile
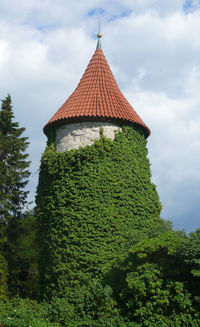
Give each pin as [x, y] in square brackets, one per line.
[97, 95]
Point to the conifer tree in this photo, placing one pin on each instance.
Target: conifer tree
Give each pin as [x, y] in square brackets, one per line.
[14, 171]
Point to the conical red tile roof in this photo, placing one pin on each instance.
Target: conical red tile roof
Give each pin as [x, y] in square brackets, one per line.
[98, 98]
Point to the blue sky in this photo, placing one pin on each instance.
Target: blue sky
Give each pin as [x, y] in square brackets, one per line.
[100, 13]
[191, 5]
[153, 49]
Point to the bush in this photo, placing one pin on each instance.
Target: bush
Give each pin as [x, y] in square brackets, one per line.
[24, 313]
[154, 284]
[91, 305]
[3, 277]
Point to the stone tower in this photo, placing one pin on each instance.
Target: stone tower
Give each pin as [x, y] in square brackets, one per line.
[95, 191]
[96, 102]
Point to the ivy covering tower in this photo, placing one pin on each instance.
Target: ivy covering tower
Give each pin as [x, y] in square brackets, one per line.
[95, 191]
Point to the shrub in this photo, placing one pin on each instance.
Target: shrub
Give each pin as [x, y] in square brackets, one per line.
[153, 284]
[24, 313]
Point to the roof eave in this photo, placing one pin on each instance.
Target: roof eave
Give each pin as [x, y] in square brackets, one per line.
[61, 122]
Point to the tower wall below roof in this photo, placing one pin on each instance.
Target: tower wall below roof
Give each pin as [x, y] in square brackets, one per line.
[73, 136]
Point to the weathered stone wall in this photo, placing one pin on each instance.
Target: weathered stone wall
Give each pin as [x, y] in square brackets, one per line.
[72, 136]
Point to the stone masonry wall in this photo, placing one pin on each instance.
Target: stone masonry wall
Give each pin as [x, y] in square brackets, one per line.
[72, 136]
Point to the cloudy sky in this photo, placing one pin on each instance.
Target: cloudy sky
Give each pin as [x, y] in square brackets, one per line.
[153, 48]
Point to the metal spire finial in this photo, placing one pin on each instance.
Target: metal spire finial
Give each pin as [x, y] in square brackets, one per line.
[99, 35]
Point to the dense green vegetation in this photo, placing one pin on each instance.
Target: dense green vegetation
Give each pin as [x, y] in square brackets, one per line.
[14, 175]
[91, 203]
[157, 283]
[23, 256]
[106, 258]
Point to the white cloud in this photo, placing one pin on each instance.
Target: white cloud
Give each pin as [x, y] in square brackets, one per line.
[163, 7]
[3, 51]
[173, 151]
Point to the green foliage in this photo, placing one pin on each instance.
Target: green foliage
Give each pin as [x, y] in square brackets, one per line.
[23, 256]
[154, 285]
[3, 276]
[192, 253]
[91, 202]
[24, 313]
[3, 262]
[90, 305]
[13, 163]
[105, 256]
[13, 178]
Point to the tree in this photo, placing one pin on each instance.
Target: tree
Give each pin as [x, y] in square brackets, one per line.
[14, 171]
[14, 166]
[23, 255]
[157, 282]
